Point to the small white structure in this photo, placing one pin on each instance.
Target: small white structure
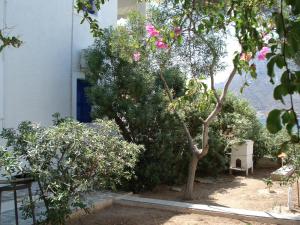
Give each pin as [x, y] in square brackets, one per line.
[242, 157]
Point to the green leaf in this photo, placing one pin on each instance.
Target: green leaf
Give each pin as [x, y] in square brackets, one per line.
[279, 92]
[270, 67]
[274, 121]
[279, 60]
[285, 78]
[180, 40]
[279, 24]
[285, 117]
[293, 42]
[289, 127]
[172, 34]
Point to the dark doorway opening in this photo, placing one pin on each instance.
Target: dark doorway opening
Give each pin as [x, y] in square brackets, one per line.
[238, 163]
[83, 106]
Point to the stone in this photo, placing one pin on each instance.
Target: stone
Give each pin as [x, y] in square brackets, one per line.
[225, 179]
[205, 180]
[177, 189]
[282, 172]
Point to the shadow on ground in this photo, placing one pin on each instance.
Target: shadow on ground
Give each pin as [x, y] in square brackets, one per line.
[235, 191]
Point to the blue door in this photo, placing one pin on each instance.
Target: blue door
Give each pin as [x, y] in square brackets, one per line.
[83, 106]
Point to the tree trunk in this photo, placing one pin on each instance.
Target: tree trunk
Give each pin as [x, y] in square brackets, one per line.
[188, 194]
[196, 156]
[196, 153]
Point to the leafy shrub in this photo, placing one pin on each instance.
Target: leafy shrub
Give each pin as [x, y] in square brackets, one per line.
[70, 159]
[134, 98]
[238, 121]
[132, 94]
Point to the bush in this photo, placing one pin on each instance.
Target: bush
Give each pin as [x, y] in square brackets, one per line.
[134, 98]
[132, 94]
[70, 159]
[236, 122]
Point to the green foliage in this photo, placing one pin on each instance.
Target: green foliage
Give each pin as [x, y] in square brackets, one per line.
[268, 182]
[84, 7]
[9, 163]
[132, 94]
[254, 21]
[70, 159]
[6, 41]
[236, 122]
[281, 22]
[239, 122]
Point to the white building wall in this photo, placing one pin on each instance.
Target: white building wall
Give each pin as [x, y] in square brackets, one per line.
[39, 78]
[37, 75]
[2, 19]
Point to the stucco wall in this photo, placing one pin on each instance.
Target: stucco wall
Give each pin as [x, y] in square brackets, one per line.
[37, 79]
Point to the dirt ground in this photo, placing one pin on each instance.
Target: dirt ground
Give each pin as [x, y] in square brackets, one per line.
[119, 215]
[235, 191]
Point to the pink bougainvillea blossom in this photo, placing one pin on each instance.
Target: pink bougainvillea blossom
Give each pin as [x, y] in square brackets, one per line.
[136, 56]
[151, 30]
[263, 53]
[177, 31]
[246, 56]
[160, 44]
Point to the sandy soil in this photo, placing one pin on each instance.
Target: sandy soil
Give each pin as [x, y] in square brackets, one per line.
[118, 215]
[235, 191]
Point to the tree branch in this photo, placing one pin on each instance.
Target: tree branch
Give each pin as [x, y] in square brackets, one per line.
[193, 146]
[213, 114]
[218, 107]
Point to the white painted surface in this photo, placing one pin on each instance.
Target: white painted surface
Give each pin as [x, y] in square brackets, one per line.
[2, 24]
[290, 198]
[244, 152]
[39, 78]
[37, 75]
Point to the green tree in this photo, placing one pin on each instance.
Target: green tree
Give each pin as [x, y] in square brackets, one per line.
[251, 20]
[132, 94]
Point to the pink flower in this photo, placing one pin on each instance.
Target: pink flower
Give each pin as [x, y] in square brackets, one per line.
[263, 53]
[136, 56]
[177, 31]
[152, 31]
[161, 44]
